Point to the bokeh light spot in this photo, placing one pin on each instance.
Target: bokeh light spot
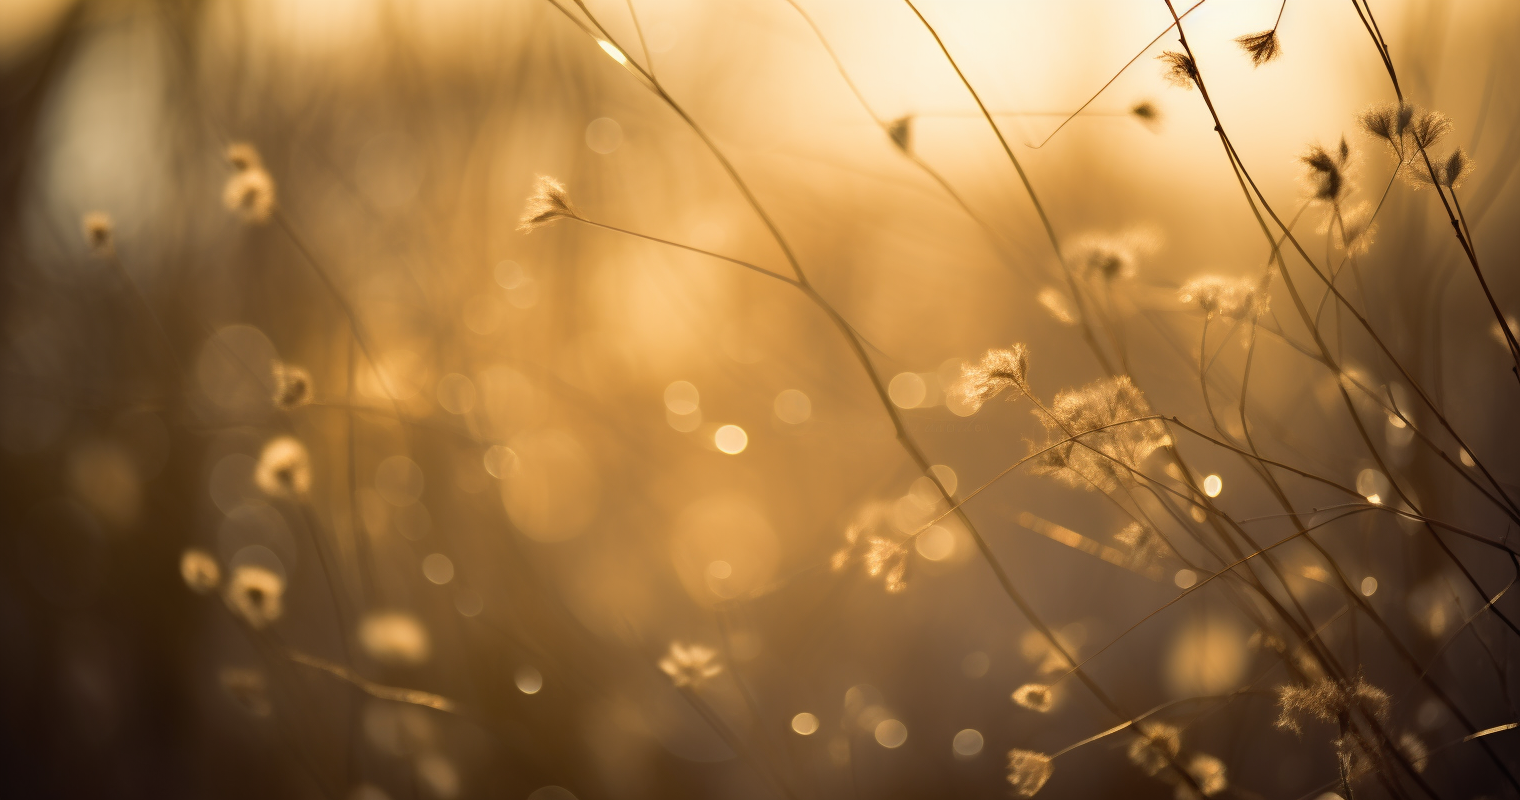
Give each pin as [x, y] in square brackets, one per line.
[528, 680]
[437, 568]
[1213, 485]
[907, 390]
[731, 439]
[967, 743]
[891, 734]
[793, 407]
[805, 724]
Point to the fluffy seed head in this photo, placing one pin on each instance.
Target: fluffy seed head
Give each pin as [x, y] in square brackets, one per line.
[243, 156]
[1034, 696]
[1148, 114]
[1238, 298]
[1206, 771]
[690, 665]
[1327, 700]
[284, 468]
[292, 386]
[1155, 747]
[1428, 128]
[1180, 69]
[998, 370]
[1262, 47]
[548, 204]
[200, 571]
[1028, 771]
[249, 193]
[255, 594]
[1110, 437]
[99, 232]
[1329, 170]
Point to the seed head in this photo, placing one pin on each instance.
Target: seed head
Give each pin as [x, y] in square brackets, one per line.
[284, 468]
[254, 594]
[1058, 305]
[1155, 747]
[1148, 114]
[1144, 545]
[690, 665]
[998, 370]
[99, 232]
[292, 386]
[200, 571]
[243, 156]
[1329, 172]
[1428, 128]
[548, 204]
[1034, 696]
[249, 193]
[1206, 771]
[900, 131]
[394, 637]
[1449, 171]
[1237, 298]
[872, 538]
[1262, 47]
[1028, 771]
[1327, 700]
[1111, 439]
[1415, 751]
[1180, 69]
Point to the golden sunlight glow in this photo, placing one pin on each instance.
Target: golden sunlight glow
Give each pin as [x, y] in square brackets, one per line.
[611, 49]
[731, 439]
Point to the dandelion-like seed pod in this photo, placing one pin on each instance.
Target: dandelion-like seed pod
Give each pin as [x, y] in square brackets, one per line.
[1238, 298]
[292, 386]
[1147, 112]
[200, 571]
[1156, 747]
[284, 468]
[1028, 771]
[1328, 700]
[249, 193]
[99, 232]
[1429, 128]
[255, 595]
[1208, 772]
[1262, 47]
[690, 665]
[998, 370]
[1180, 69]
[1034, 696]
[1110, 438]
[548, 204]
[243, 156]
[1328, 172]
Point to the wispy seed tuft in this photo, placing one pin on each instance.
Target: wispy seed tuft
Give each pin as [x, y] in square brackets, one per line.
[548, 204]
[1028, 771]
[1180, 69]
[1262, 47]
[690, 665]
[1034, 696]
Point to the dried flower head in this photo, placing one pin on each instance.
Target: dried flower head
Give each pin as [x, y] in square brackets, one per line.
[394, 637]
[1102, 258]
[1143, 545]
[1028, 771]
[998, 370]
[1180, 69]
[284, 468]
[548, 204]
[900, 131]
[200, 571]
[1449, 171]
[248, 689]
[871, 537]
[1262, 47]
[1110, 437]
[1428, 128]
[1352, 229]
[690, 665]
[255, 594]
[243, 156]
[99, 232]
[1155, 746]
[1148, 114]
[1327, 701]
[1208, 773]
[1238, 298]
[1389, 122]
[1329, 172]
[1056, 302]
[1034, 696]
[250, 194]
[1414, 751]
[292, 385]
